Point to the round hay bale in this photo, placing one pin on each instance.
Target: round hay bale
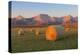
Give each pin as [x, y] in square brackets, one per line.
[54, 32]
[51, 33]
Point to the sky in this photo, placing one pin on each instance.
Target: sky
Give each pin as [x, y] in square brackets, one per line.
[30, 9]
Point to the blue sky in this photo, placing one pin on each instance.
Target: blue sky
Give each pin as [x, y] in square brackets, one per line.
[29, 9]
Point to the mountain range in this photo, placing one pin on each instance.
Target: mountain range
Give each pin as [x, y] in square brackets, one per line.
[41, 20]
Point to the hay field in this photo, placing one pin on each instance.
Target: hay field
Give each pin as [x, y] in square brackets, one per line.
[28, 41]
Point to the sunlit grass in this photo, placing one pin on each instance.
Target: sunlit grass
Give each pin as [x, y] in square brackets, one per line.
[28, 41]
